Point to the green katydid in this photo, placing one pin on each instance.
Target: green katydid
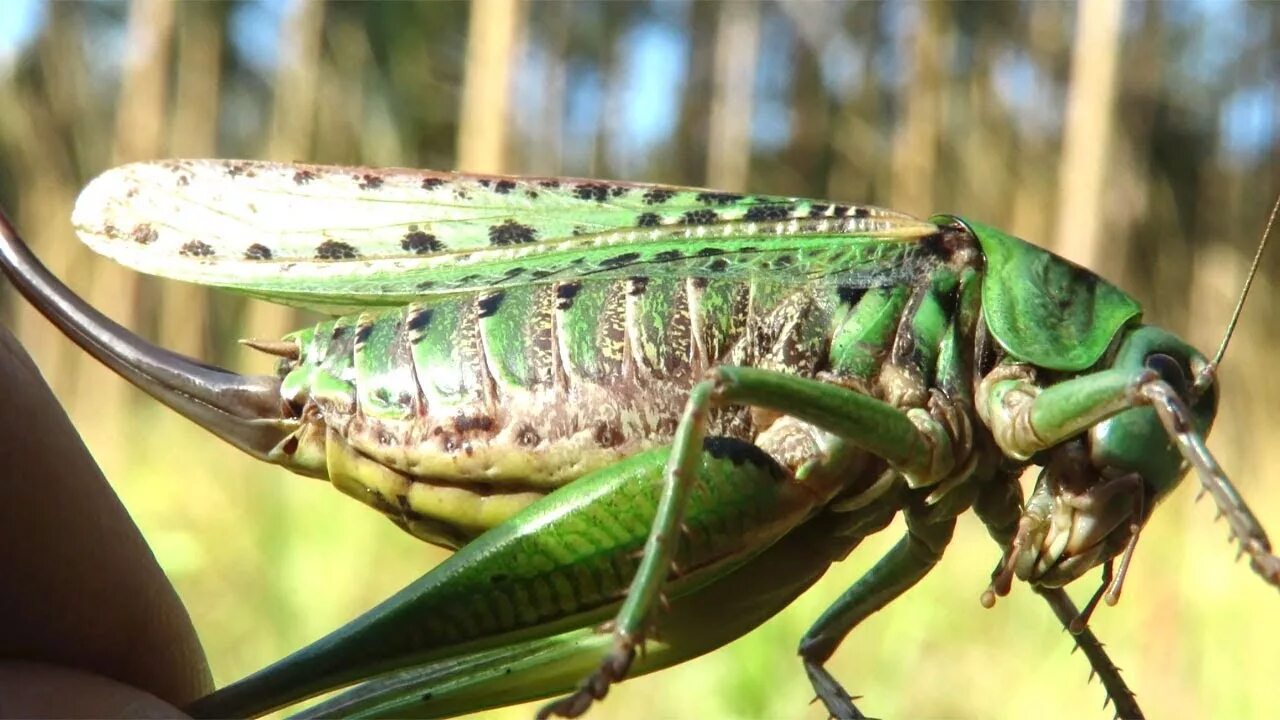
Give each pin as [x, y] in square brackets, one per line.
[610, 396]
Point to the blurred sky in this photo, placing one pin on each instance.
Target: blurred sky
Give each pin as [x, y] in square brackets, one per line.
[656, 53]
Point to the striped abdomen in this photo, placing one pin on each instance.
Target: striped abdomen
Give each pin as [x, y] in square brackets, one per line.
[467, 407]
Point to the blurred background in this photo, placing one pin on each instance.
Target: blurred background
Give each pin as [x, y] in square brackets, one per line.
[1140, 139]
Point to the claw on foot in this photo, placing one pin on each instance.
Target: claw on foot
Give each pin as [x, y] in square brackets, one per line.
[595, 686]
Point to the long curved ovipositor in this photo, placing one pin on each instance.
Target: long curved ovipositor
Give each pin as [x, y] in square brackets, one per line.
[244, 410]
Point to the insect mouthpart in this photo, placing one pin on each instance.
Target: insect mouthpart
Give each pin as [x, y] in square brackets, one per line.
[1077, 518]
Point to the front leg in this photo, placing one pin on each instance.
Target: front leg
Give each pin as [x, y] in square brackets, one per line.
[1118, 693]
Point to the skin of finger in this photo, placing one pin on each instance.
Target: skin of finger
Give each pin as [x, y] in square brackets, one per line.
[81, 588]
[34, 690]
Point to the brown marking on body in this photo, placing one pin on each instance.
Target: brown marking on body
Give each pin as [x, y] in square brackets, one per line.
[469, 423]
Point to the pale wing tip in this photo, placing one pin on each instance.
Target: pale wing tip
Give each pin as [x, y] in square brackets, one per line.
[113, 202]
[116, 187]
[107, 195]
[110, 214]
[94, 216]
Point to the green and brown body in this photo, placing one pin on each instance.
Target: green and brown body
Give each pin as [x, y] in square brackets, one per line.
[606, 394]
[451, 414]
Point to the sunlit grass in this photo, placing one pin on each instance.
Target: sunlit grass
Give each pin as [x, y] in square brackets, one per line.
[268, 561]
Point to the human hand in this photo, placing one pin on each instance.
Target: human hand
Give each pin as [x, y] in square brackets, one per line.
[89, 624]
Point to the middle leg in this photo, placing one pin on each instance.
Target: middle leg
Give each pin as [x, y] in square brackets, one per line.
[913, 445]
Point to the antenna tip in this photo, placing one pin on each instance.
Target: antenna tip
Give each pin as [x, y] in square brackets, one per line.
[1248, 282]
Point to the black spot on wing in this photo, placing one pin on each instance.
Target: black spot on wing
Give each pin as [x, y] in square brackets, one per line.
[817, 210]
[502, 187]
[196, 248]
[767, 213]
[718, 198]
[549, 184]
[648, 220]
[302, 177]
[369, 181]
[335, 250]
[511, 232]
[257, 251]
[432, 183]
[718, 265]
[658, 196]
[619, 260]
[668, 256]
[699, 217]
[143, 234]
[421, 243]
[591, 191]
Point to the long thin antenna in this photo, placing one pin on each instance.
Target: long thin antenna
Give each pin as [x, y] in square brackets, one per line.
[1253, 271]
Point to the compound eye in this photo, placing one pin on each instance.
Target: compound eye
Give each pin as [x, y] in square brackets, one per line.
[1169, 370]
